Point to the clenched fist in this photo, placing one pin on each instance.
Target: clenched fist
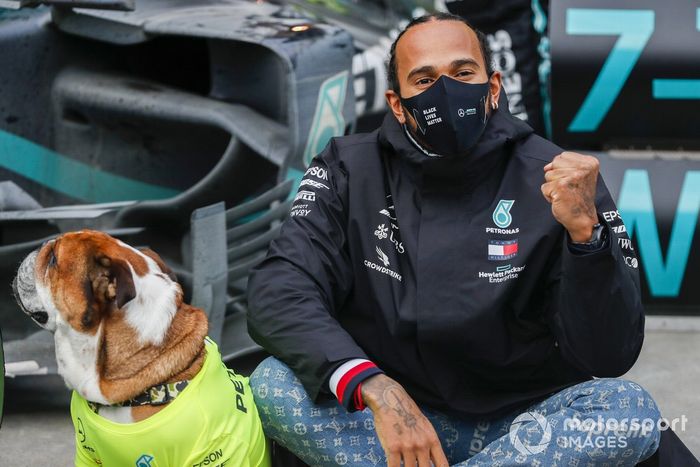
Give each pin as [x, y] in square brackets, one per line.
[570, 187]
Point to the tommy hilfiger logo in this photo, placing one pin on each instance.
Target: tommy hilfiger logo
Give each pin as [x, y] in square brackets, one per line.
[500, 250]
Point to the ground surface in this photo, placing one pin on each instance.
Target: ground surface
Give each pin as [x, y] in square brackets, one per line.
[37, 430]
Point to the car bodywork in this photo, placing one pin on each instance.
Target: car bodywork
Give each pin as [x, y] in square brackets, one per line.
[127, 117]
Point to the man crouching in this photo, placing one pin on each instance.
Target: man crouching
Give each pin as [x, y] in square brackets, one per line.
[455, 284]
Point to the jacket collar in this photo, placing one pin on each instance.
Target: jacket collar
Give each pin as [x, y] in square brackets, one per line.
[502, 130]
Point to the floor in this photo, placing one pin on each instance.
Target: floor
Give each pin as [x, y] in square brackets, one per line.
[37, 430]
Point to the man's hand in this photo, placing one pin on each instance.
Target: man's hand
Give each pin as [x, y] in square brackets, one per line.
[405, 433]
[570, 188]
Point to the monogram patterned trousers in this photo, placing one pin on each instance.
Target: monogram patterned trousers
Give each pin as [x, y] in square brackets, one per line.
[603, 422]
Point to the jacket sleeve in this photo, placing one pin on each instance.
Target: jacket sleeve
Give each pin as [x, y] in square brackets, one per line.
[596, 309]
[295, 294]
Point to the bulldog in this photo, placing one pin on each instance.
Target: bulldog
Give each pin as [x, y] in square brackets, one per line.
[149, 388]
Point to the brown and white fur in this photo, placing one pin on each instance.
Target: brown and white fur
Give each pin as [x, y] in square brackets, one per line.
[118, 318]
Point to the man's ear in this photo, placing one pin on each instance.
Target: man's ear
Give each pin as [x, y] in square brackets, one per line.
[394, 101]
[119, 286]
[495, 82]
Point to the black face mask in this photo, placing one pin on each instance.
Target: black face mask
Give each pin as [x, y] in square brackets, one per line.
[450, 114]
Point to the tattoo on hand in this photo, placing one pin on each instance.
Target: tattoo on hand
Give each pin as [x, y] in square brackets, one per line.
[393, 398]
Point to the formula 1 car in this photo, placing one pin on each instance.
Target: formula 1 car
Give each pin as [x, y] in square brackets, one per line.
[127, 117]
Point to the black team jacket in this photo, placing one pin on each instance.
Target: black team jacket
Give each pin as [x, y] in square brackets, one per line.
[450, 274]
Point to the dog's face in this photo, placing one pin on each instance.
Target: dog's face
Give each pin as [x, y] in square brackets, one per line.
[73, 284]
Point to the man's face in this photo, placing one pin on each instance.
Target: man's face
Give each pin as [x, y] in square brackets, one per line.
[429, 50]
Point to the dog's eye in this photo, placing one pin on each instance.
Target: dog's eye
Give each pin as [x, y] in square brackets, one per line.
[52, 258]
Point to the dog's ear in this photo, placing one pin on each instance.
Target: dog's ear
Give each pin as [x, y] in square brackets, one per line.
[159, 261]
[113, 284]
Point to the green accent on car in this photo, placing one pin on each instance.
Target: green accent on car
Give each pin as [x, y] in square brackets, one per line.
[70, 177]
[634, 28]
[328, 117]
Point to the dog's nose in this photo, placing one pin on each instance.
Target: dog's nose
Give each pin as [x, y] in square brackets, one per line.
[18, 297]
[14, 287]
[24, 290]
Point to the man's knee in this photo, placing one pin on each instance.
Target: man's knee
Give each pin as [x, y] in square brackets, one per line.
[271, 375]
[631, 413]
[275, 388]
[626, 397]
[279, 396]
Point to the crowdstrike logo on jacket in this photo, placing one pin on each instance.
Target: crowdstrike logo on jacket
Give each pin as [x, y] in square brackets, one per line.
[382, 257]
[382, 269]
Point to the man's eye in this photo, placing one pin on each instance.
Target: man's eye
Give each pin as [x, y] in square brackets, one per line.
[464, 73]
[424, 81]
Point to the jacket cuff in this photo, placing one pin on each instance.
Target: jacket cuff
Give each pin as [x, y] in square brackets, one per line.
[586, 248]
[580, 249]
[346, 379]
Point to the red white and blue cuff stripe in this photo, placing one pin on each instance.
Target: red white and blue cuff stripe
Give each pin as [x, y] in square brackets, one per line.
[345, 382]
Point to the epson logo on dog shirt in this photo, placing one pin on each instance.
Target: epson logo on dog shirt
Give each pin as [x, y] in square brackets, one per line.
[210, 459]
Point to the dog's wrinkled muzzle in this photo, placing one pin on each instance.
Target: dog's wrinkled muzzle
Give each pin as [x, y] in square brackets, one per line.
[24, 289]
